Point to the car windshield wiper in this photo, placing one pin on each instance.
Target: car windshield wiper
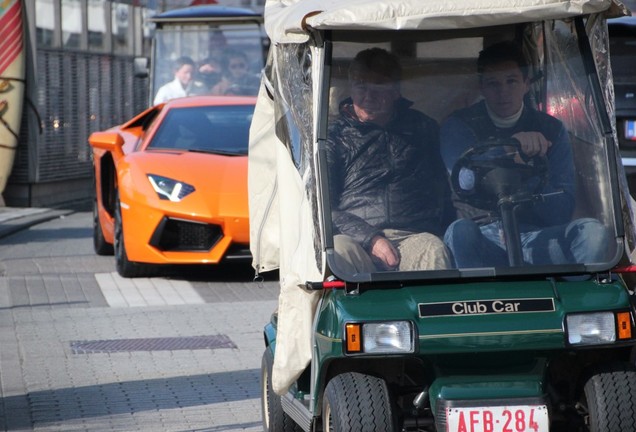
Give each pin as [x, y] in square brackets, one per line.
[220, 152]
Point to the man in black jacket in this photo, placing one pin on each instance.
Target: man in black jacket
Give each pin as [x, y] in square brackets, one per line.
[388, 187]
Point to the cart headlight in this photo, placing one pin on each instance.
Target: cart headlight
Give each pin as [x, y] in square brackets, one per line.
[591, 329]
[380, 337]
[169, 189]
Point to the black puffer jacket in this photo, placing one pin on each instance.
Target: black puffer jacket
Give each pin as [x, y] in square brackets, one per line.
[386, 177]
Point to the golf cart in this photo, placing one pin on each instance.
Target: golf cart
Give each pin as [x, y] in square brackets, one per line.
[519, 346]
[204, 33]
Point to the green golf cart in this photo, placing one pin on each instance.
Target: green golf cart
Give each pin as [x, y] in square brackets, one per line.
[534, 336]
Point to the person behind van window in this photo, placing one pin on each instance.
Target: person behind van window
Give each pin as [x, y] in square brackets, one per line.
[181, 85]
[548, 235]
[237, 78]
[389, 192]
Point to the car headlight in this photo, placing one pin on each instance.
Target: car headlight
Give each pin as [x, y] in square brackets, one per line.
[379, 337]
[169, 189]
[591, 328]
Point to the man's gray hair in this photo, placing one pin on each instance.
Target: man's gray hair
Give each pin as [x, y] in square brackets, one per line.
[378, 61]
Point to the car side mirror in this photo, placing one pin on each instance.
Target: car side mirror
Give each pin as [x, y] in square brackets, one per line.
[109, 141]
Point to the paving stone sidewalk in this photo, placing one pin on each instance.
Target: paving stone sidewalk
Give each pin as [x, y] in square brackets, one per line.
[82, 349]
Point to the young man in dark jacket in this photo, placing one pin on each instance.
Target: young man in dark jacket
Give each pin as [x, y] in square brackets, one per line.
[389, 191]
[548, 233]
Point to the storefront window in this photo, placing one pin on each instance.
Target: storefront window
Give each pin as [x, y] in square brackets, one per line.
[122, 22]
[98, 13]
[72, 23]
[147, 30]
[44, 22]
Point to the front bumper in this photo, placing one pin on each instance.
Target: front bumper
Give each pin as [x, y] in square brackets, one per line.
[183, 233]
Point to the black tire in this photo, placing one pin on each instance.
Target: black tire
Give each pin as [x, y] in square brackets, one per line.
[355, 402]
[100, 245]
[610, 396]
[126, 268]
[274, 418]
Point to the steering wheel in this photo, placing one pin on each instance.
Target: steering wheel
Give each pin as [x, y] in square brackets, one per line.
[488, 172]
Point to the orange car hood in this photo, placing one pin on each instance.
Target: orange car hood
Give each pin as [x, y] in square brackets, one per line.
[210, 174]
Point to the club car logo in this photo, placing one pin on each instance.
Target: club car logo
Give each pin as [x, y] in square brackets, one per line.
[484, 307]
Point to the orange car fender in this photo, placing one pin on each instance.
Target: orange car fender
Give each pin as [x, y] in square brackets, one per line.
[236, 203]
[135, 193]
[105, 219]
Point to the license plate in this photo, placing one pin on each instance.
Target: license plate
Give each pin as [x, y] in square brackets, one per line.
[514, 418]
[630, 130]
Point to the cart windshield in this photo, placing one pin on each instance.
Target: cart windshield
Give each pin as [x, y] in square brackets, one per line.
[218, 60]
[479, 152]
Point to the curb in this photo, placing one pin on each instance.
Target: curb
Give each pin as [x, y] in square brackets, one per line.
[14, 220]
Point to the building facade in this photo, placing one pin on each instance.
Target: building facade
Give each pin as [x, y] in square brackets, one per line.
[79, 80]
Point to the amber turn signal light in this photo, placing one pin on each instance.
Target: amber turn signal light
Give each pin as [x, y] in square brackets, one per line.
[354, 337]
[624, 325]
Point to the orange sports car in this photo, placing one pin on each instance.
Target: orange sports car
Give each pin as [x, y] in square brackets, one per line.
[171, 185]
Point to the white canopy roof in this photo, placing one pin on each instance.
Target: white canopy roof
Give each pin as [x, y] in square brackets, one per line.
[287, 21]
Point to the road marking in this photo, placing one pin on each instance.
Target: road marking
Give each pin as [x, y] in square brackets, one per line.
[138, 292]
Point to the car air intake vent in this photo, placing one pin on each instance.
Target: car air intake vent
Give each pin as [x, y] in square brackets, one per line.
[181, 235]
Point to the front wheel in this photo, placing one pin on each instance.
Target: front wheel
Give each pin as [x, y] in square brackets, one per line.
[355, 402]
[611, 400]
[274, 418]
[125, 267]
[100, 245]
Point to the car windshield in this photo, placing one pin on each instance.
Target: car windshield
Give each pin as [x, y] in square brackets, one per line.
[212, 129]
[481, 151]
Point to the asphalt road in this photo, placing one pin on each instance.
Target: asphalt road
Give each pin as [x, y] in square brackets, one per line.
[82, 349]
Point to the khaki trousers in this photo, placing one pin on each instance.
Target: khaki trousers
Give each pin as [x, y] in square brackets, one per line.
[418, 251]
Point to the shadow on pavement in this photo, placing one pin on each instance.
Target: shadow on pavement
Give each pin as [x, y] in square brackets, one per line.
[128, 397]
[226, 272]
[49, 234]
